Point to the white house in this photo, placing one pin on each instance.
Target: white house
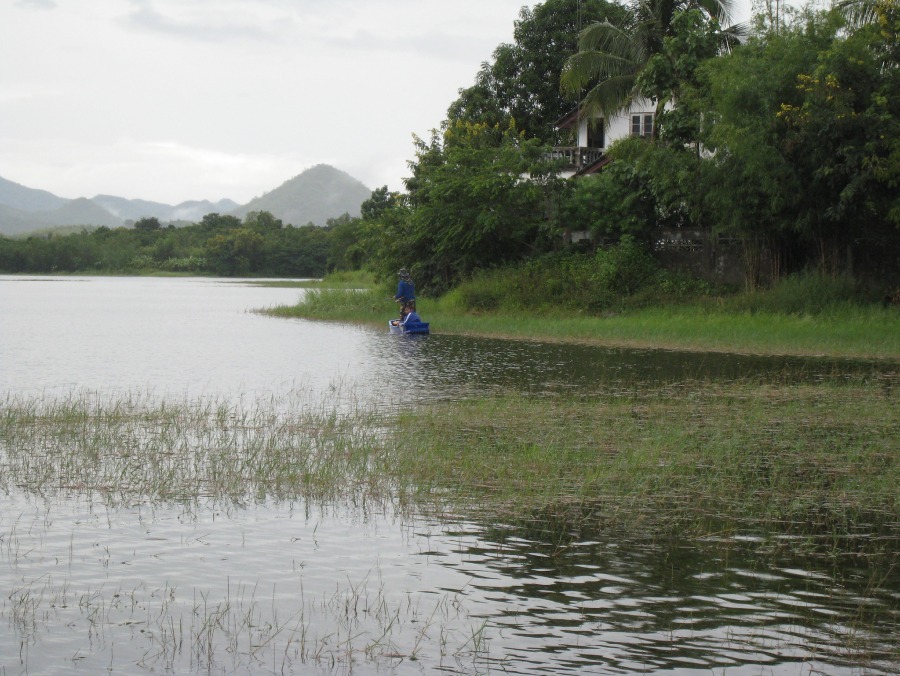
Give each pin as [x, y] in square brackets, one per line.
[595, 135]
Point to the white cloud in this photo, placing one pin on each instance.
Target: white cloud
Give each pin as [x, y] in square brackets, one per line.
[37, 4]
[171, 100]
[190, 20]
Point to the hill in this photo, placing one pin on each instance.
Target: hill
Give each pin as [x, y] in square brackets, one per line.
[27, 199]
[314, 196]
[72, 212]
[190, 211]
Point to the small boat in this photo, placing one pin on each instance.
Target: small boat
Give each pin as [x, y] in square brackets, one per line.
[410, 328]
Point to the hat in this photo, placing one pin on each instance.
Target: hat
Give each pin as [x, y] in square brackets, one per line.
[404, 273]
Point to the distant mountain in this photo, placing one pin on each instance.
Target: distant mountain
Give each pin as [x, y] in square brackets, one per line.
[193, 210]
[16, 221]
[131, 210]
[27, 199]
[82, 212]
[314, 196]
[72, 212]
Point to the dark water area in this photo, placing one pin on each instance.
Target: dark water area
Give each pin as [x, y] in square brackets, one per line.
[522, 366]
[612, 602]
[292, 587]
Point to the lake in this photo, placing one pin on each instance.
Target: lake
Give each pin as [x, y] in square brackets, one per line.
[269, 585]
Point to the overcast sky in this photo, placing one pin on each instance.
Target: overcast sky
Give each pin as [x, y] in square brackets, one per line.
[171, 100]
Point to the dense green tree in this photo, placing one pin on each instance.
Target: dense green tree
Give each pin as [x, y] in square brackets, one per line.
[801, 123]
[147, 223]
[236, 252]
[841, 137]
[612, 56]
[345, 250]
[478, 198]
[521, 83]
[262, 221]
[380, 201]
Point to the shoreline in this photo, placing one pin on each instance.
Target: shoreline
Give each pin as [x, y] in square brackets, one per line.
[702, 333]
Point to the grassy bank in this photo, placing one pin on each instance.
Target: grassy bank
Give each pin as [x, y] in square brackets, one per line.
[799, 456]
[841, 330]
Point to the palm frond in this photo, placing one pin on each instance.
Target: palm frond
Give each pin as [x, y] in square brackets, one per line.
[610, 97]
[858, 12]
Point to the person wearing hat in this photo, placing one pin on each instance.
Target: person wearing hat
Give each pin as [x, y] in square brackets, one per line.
[406, 294]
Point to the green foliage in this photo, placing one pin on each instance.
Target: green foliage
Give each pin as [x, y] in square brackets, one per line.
[468, 206]
[337, 303]
[612, 56]
[621, 276]
[236, 252]
[522, 81]
[150, 223]
[222, 245]
[381, 201]
[623, 269]
[805, 293]
[803, 125]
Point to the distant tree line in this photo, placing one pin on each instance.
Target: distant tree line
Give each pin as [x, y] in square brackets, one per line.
[258, 245]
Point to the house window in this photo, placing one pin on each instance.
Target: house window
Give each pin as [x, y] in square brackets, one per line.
[642, 125]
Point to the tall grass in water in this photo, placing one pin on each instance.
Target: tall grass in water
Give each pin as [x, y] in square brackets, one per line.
[809, 454]
[801, 455]
[368, 305]
[242, 631]
[125, 449]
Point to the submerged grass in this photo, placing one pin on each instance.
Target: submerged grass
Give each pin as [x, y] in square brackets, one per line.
[128, 450]
[804, 455]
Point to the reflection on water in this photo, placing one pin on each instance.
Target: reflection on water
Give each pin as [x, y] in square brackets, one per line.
[319, 589]
[486, 364]
[291, 587]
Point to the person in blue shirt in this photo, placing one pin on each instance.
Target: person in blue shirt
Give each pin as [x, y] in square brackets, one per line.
[408, 316]
[411, 316]
[406, 293]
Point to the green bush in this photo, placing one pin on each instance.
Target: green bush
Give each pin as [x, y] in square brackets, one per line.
[806, 293]
[621, 271]
[624, 275]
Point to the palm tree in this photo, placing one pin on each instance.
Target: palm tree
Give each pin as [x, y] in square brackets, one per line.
[611, 57]
[861, 12]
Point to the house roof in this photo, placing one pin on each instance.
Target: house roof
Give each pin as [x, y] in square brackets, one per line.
[568, 120]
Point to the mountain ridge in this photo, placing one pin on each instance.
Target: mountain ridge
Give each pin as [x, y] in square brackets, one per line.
[313, 196]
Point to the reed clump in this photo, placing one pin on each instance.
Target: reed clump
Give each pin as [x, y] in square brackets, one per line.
[804, 455]
[367, 305]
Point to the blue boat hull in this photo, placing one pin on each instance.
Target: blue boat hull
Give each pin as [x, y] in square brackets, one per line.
[410, 328]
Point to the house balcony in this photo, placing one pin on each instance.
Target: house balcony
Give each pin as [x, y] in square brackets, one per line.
[575, 158]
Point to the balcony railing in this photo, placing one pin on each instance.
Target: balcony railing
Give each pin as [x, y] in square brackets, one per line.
[576, 157]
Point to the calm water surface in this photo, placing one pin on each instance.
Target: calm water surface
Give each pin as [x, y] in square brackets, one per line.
[289, 587]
